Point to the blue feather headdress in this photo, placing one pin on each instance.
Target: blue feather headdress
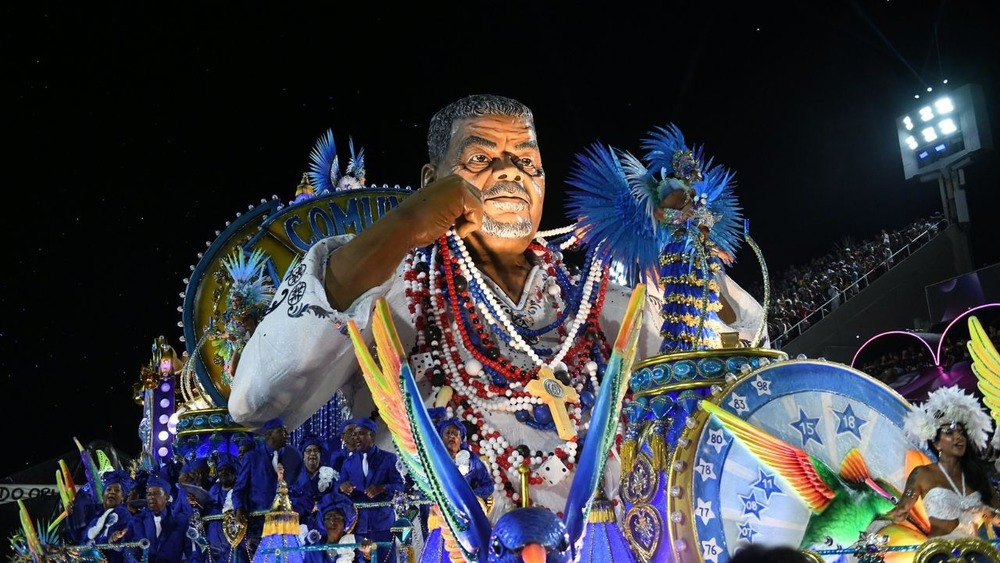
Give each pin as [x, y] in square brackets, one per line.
[324, 168]
[250, 292]
[671, 215]
[248, 274]
[617, 201]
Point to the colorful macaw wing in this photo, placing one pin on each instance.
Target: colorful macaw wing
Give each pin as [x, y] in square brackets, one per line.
[794, 465]
[384, 386]
[604, 418]
[392, 383]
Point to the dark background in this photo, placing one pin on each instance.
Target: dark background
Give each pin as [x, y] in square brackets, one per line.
[132, 134]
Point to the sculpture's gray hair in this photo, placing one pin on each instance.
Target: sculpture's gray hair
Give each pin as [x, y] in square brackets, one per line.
[439, 132]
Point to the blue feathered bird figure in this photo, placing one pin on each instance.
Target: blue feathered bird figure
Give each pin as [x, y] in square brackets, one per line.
[671, 216]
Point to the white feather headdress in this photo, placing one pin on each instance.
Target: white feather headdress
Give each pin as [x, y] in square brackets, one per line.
[944, 406]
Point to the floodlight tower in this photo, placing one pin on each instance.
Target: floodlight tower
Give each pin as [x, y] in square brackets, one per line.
[939, 139]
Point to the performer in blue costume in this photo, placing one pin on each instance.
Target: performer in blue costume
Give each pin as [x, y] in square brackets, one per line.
[257, 478]
[110, 522]
[370, 475]
[674, 218]
[345, 441]
[164, 522]
[221, 502]
[453, 434]
[319, 476]
[337, 519]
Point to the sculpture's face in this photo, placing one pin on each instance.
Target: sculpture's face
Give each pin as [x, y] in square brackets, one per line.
[499, 155]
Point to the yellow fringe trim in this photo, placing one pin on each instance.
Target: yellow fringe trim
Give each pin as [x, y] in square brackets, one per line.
[281, 523]
[691, 321]
[629, 449]
[675, 258]
[601, 511]
[713, 343]
[696, 302]
[689, 280]
[660, 451]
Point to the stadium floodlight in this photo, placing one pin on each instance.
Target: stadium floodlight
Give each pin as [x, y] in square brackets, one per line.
[950, 128]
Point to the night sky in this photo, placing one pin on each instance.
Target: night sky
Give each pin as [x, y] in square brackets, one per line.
[134, 133]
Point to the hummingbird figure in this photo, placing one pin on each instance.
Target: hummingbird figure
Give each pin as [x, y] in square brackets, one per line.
[843, 503]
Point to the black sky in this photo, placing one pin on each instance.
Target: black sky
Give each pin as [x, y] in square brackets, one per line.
[134, 133]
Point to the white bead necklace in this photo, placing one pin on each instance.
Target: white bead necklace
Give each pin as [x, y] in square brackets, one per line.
[492, 310]
[540, 236]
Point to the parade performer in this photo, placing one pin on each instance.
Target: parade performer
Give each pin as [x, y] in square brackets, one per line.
[453, 433]
[956, 491]
[372, 476]
[676, 212]
[488, 310]
[221, 495]
[249, 293]
[164, 522]
[115, 517]
[338, 518]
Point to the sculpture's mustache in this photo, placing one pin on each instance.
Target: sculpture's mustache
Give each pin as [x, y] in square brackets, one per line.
[501, 189]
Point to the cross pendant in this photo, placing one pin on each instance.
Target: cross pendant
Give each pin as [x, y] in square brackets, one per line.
[554, 394]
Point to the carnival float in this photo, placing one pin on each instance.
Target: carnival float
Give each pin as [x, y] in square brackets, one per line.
[723, 442]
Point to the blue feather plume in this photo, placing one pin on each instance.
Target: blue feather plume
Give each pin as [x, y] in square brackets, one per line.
[324, 170]
[612, 215]
[727, 232]
[356, 164]
[618, 195]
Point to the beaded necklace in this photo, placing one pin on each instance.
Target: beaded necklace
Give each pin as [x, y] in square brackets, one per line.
[463, 328]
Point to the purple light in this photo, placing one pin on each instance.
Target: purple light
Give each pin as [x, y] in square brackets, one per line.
[934, 356]
[955, 320]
